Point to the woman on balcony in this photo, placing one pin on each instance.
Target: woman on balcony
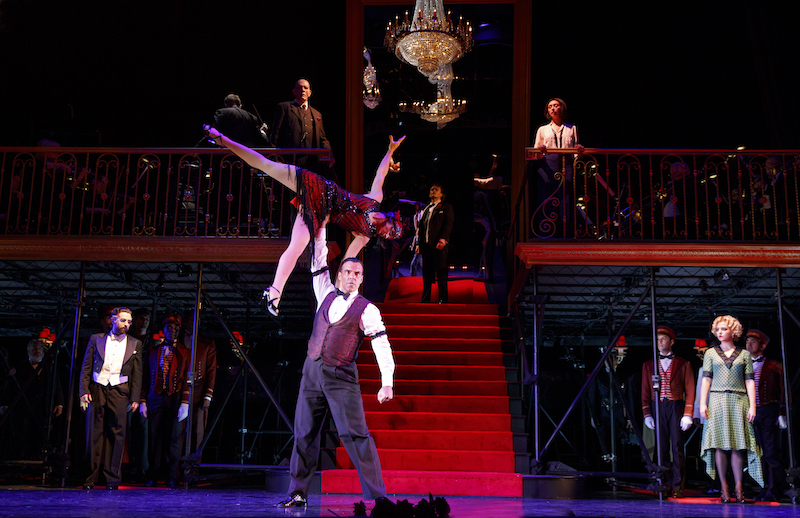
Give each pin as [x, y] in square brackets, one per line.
[728, 435]
[556, 134]
[317, 199]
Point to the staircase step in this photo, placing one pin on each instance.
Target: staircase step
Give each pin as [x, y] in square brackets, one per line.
[394, 319]
[438, 309]
[439, 483]
[435, 372]
[447, 332]
[443, 440]
[439, 387]
[442, 344]
[450, 404]
[491, 359]
[434, 460]
[438, 421]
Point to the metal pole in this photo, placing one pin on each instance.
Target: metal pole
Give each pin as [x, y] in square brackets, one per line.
[191, 376]
[536, 339]
[612, 415]
[787, 387]
[656, 379]
[80, 303]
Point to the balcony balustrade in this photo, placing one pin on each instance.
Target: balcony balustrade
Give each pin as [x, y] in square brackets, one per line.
[142, 192]
[666, 194]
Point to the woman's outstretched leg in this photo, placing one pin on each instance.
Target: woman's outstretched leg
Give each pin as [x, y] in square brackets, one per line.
[297, 245]
[286, 174]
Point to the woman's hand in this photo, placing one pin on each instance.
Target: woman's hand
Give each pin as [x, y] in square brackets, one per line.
[704, 410]
[394, 144]
[751, 413]
[394, 166]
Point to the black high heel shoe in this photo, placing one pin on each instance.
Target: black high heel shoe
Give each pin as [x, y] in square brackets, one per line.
[212, 138]
[268, 303]
[740, 497]
[724, 497]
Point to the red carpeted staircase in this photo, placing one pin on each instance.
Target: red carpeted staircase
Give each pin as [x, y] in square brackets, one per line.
[450, 430]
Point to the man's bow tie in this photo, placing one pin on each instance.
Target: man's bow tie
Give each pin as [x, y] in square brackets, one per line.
[665, 356]
[759, 359]
[344, 294]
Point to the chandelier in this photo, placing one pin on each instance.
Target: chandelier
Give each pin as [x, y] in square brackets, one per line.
[371, 93]
[445, 108]
[430, 40]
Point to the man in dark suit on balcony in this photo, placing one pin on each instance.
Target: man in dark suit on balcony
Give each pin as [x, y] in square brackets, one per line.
[239, 124]
[433, 243]
[111, 380]
[298, 125]
[770, 413]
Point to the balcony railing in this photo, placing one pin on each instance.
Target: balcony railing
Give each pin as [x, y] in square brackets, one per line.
[142, 192]
[666, 194]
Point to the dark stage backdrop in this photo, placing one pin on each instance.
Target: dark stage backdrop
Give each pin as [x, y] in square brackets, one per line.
[149, 73]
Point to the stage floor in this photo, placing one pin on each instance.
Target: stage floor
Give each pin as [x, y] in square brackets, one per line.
[232, 503]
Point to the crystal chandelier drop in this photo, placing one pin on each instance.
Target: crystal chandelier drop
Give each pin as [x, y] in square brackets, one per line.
[371, 92]
[430, 40]
[445, 108]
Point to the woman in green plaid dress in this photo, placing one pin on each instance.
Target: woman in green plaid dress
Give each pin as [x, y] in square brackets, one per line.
[730, 390]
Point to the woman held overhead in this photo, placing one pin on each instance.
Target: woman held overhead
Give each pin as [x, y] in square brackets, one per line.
[319, 199]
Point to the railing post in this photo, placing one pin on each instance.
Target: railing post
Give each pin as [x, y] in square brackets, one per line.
[71, 395]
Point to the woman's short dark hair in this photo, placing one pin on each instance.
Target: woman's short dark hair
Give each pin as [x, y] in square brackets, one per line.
[563, 107]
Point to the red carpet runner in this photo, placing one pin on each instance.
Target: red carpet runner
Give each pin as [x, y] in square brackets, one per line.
[448, 430]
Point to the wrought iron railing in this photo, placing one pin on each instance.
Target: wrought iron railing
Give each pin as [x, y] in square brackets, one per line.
[665, 194]
[142, 192]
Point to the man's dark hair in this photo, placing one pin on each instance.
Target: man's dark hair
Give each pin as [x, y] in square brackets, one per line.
[232, 100]
[440, 188]
[350, 260]
[121, 309]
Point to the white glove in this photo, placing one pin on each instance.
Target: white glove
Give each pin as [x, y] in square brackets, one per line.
[183, 411]
[650, 422]
[686, 422]
[782, 422]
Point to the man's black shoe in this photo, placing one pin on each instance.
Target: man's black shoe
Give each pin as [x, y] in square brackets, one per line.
[150, 483]
[294, 500]
[88, 486]
[112, 487]
[172, 484]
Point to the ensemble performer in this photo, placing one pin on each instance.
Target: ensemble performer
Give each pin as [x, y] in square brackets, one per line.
[111, 380]
[770, 413]
[675, 405]
[730, 390]
[556, 134]
[433, 243]
[330, 377]
[318, 199]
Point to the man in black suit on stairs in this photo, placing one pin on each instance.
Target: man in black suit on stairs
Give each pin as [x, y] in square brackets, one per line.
[433, 243]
